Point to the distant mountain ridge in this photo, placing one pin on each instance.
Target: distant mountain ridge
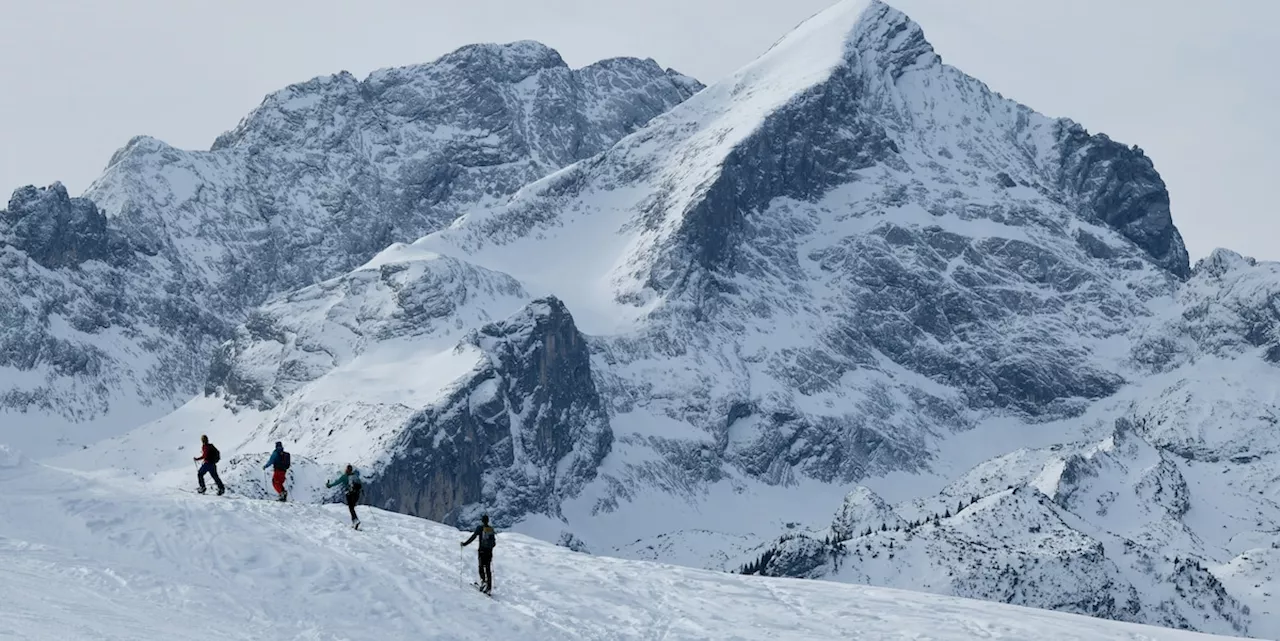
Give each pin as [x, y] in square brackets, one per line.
[174, 247]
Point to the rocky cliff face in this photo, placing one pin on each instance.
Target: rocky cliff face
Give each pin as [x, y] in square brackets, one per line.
[522, 432]
[1119, 186]
[58, 231]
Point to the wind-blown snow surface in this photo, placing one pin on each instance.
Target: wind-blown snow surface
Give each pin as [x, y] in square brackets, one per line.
[846, 264]
[86, 558]
[115, 302]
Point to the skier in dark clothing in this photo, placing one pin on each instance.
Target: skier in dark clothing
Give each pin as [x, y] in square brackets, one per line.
[280, 461]
[488, 539]
[350, 481]
[210, 455]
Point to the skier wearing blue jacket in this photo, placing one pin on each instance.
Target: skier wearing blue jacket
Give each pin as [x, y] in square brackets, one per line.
[350, 482]
[280, 461]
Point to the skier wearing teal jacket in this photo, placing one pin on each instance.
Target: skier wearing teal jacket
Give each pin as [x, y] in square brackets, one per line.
[350, 482]
[280, 461]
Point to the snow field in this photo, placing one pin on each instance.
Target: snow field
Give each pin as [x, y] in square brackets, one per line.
[84, 559]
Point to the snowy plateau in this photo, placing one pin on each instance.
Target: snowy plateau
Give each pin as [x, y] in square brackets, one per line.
[748, 360]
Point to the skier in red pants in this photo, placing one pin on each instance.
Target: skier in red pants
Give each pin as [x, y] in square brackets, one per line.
[280, 461]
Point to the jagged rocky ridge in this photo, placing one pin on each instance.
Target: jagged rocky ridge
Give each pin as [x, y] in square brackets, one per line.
[170, 248]
[1095, 528]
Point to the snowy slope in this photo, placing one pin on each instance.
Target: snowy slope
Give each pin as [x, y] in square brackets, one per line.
[84, 558]
[118, 299]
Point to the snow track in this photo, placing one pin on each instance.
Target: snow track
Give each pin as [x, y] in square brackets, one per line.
[87, 557]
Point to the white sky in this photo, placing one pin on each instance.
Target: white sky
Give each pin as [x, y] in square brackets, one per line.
[1194, 84]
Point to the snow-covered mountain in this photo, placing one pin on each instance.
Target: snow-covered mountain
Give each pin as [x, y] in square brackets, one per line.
[119, 298]
[1111, 529]
[847, 264]
[86, 556]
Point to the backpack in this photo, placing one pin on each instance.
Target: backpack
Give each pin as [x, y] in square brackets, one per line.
[212, 456]
[488, 538]
[283, 462]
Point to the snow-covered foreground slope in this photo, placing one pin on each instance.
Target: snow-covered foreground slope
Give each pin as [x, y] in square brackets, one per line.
[92, 558]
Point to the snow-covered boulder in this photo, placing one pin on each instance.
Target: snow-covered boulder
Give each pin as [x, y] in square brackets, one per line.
[11, 458]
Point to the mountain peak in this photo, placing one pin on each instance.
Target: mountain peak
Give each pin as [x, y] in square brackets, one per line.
[1222, 261]
[525, 57]
[893, 38]
[851, 30]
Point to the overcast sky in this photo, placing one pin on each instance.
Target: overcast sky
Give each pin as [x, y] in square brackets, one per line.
[1193, 83]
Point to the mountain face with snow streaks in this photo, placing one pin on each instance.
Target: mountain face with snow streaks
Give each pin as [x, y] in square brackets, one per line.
[822, 188]
[81, 332]
[326, 173]
[173, 248]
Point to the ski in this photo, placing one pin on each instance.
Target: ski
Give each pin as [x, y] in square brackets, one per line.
[480, 588]
[206, 493]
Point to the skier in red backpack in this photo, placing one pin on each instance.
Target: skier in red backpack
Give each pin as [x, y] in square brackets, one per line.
[210, 455]
[280, 461]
